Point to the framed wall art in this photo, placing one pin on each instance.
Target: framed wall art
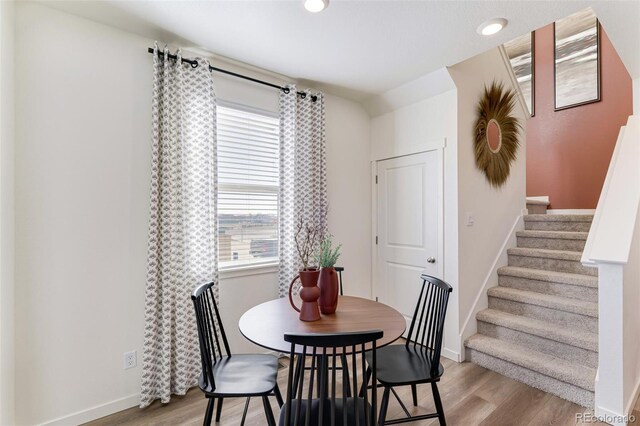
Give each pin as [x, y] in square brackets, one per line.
[521, 53]
[576, 60]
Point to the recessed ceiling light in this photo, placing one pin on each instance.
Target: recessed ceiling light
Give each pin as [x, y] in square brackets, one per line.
[316, 6]
[492, 26]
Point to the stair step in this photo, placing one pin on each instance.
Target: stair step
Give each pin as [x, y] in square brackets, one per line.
[574, 286]
[568, 380]
[546, 300]
[562, 311]
[550, 276]
[568, 372]
[553, 260]
[570, 344]
[558, 222]
[554, 240]
[579, 338]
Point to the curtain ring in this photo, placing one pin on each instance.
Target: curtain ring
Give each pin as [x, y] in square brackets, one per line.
[303, 95]
[286, 90]
[194, 64]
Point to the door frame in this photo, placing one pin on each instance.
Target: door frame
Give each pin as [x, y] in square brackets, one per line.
[439, 147]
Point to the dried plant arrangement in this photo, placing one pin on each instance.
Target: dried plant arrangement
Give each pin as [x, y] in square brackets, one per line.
[308, 237]
[495, 108]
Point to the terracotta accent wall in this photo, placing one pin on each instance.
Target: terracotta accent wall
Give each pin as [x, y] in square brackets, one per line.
[568, 151]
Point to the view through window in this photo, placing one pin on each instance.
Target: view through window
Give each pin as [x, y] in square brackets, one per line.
[248, 179]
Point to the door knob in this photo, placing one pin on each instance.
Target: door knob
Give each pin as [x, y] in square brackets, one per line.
[431, 260]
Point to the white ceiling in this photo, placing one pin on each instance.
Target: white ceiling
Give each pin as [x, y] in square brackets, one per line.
[353, 48]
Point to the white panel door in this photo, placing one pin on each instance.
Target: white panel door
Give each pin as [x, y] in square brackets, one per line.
[409, 208]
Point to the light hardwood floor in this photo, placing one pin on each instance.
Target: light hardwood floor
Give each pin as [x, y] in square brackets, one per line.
[471, 395]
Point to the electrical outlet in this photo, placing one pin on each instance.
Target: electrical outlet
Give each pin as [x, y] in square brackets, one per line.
[130, 360]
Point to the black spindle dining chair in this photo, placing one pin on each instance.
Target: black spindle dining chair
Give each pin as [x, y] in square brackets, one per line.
[332, 405]
[225, 375]
[340, 270]
[418, 360]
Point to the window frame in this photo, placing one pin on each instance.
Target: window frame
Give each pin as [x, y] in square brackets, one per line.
[270, 266]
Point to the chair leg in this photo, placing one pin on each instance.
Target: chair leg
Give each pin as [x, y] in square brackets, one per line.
[278, 395]
[271, 421]
[244, 412]
[219, 409]
[414, 394]
[438, 402]
[383, 406]
[209, 413]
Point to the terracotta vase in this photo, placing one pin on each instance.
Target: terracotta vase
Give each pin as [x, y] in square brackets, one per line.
[309, 293]
[328, 284]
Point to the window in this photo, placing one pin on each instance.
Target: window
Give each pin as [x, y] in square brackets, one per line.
[248, 179]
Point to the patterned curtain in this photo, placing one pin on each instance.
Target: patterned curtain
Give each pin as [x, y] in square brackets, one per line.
[303, 183]
[183, 227]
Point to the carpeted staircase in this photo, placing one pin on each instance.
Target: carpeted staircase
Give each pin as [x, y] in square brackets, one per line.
[542, 323]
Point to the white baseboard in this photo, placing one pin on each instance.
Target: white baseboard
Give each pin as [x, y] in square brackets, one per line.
[571, 211]
[608, 416]
[450, 354]
[618, 419]
[96, 412]
[470, 326]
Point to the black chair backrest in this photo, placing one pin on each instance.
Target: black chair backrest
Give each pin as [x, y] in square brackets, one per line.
[340, 270]
[328, 347]
[213, 341]
[427, 325]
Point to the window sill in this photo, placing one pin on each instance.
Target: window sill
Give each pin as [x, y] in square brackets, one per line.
[243, 271]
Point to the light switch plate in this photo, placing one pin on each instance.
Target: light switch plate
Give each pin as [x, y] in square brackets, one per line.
[470, 219]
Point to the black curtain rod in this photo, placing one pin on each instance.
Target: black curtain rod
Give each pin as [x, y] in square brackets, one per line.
[195, 64]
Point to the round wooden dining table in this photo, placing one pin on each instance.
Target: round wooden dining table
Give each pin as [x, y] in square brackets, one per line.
[266, 324]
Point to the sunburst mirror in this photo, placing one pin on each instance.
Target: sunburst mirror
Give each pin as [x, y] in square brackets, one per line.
[497, 131]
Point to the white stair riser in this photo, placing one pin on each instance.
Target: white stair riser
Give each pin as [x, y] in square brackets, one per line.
[588, 294]
[564, 390]
[531, 225]
[552, 243]
[537, 343]
[544, 263]
[561, 318]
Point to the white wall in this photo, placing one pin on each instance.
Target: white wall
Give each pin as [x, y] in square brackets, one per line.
[82, 189]
[631, 301]
[349, 190]
[7, 359]
[495, 210]
[416, 128]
